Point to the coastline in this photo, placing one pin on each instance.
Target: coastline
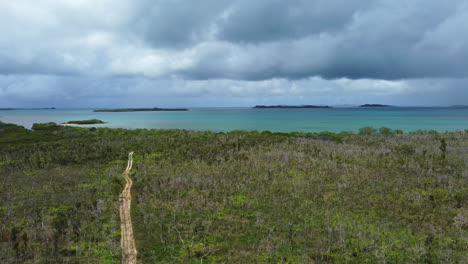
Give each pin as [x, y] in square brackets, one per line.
[79, 125]
[368, 130]
[275, 120]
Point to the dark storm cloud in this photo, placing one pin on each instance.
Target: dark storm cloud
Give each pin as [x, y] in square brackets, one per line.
[259, 21]
[255, 40]
[242, 40]
[381, 41]
[176, 23]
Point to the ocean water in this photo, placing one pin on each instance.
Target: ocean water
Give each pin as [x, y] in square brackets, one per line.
[275, 120]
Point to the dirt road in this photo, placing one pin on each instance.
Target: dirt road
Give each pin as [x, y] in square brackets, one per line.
[127, 240]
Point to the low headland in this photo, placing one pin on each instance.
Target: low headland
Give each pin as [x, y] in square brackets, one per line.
[292, 106]
[369, 196]
[140, 109]
[84, 122]
[459, 106]
[376, 105]
[46, 108]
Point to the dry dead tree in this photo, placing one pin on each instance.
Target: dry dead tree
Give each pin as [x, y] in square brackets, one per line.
[127, 240]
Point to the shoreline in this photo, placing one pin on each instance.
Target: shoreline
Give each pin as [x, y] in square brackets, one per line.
[276, 120]
[368, 130]
[76, 124]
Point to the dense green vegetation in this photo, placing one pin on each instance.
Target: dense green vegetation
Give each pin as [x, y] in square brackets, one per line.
[86, 122]
[378, 196]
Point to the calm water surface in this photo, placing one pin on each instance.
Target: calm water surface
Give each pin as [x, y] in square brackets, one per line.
[278, 120]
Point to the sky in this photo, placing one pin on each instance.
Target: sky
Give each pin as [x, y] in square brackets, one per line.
[174, 53]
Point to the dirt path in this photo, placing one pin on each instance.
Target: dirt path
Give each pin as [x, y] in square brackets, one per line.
[127, 241]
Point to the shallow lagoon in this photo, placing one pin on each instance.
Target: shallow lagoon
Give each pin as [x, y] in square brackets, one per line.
[277, 120]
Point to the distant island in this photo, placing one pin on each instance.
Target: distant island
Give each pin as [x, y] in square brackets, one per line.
[459, 106]
[139, 109]
[292, 106]
[375, 105]
[49, 108]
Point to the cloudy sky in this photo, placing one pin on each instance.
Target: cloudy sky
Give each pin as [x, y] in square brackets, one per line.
[115, 53]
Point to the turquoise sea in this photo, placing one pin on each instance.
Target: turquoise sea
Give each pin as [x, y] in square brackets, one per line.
[275, 120]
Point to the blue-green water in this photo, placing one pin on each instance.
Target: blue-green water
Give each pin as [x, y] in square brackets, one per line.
[277, 120]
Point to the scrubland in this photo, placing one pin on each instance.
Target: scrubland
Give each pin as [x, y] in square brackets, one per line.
[377, 196]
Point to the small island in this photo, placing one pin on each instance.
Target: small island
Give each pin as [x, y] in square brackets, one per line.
[459, 106]
[375, 105]
[292, 106]
[140, 109]
[85, 122]
[49, 108]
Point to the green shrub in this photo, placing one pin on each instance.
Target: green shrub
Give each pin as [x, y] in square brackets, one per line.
[443, 148]
[9, 128]
[367, 131]
[45, 126]
[405, 150]
[386, 131]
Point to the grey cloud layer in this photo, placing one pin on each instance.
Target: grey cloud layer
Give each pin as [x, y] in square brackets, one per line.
[241, 40]
[79, 91]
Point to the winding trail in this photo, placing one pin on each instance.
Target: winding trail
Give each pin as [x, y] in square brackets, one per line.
[127, 240]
